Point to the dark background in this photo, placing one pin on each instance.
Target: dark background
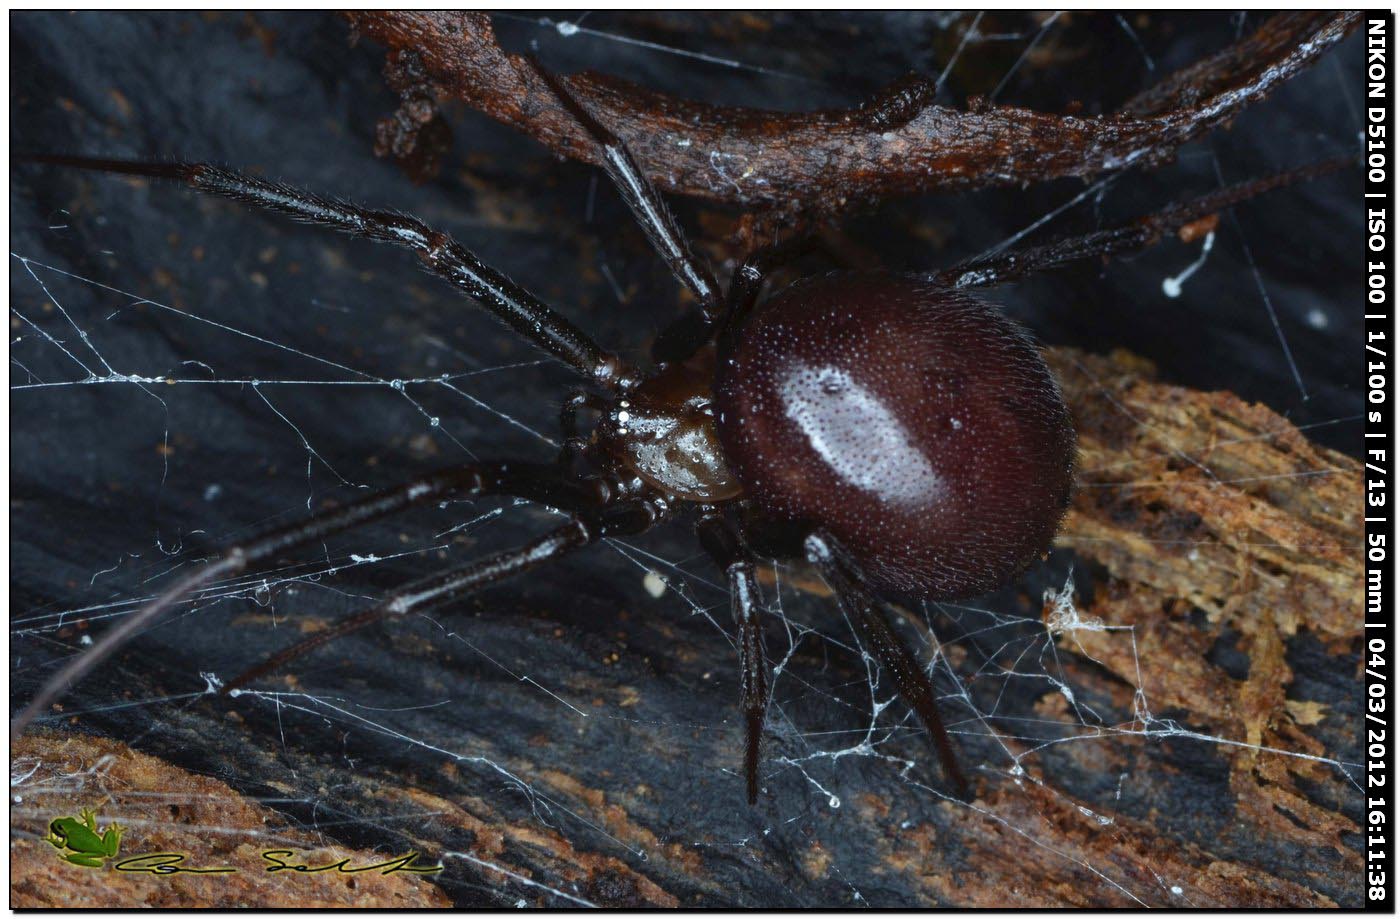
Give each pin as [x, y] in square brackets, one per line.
[117, 483]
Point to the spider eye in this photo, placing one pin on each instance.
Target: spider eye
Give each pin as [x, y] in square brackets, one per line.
[919, 426]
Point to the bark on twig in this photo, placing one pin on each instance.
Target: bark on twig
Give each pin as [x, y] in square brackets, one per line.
[827, 160]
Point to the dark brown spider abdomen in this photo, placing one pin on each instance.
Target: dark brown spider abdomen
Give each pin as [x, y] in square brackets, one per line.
[917, 425]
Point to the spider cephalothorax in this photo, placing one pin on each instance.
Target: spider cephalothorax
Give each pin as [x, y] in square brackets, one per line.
[899, 435]
[664, 432]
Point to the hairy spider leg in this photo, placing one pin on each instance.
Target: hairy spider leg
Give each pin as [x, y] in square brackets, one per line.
[720, 541]
[440, 589]
[516, 307]
[692, 331]
[533, 482]
[641, 196]
[575, 445]
[748, 279]
[870, 617]
[753, 698]
[1144, 231]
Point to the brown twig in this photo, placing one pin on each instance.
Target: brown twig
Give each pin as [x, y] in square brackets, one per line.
[827, 160]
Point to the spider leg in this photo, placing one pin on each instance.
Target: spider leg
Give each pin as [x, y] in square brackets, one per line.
[871, 619]
[1140, 233]
[722, 545]
[441, 589]
[508, 301]
[533, 482]
[748, 280]
[641, 196]
[574, 443]
[684, 337]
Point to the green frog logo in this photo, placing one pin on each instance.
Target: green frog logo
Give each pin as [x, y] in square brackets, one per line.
[80, 843]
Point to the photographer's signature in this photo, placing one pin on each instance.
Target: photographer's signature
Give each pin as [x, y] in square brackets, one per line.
[278, 860]
[81, 842]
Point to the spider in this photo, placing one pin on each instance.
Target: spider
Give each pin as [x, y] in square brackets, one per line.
[764, 428]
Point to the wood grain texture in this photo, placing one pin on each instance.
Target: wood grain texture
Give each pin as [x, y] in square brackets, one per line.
[165, 809]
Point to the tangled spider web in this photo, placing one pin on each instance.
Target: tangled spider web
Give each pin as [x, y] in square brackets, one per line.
[184, 373]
